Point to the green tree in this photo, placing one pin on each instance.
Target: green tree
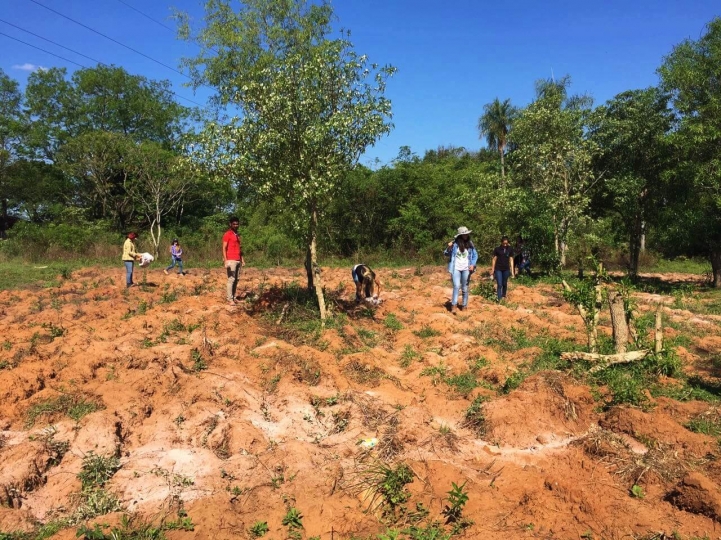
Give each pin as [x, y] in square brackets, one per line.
[97, 161]
[310, 105]
[554, 156]
[159, 184]
[691, 73]
[631, 131]
[495, 124]
[12, 125]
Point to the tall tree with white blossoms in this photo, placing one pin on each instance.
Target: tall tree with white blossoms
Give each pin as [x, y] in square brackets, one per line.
[309, 105]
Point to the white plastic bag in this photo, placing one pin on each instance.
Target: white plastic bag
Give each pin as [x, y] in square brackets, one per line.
[145, 260]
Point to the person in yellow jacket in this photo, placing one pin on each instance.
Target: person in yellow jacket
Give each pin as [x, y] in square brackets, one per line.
[129, 258]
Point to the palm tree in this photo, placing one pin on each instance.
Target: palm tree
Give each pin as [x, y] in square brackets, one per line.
[495, 123]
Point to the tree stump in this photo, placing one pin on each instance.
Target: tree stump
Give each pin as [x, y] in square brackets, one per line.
[618, 321]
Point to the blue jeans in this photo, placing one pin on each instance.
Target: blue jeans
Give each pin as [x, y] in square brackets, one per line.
[460, 281]
[180, 265]
[129, 273]
[502, 282]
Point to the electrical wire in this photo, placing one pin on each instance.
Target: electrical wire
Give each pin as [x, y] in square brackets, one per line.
[146, 15]
[43, 50]
[51, 41]
[111, 39]
[195, 41]
[76, 52]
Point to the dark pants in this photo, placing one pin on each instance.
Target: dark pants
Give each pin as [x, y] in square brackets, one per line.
[502, 282]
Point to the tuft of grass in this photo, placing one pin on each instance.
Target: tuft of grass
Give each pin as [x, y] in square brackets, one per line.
[707, 423]
[385, 486]
[426, 332]
[368, 337]
[71, 405]
[392, 323]
[131, 528]
[409, 355]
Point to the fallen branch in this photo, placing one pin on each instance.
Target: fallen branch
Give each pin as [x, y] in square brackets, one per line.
[605, 360]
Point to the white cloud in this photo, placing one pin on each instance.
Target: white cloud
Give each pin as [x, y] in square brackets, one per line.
[29, 67]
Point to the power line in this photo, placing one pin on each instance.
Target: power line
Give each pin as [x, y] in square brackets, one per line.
[51, 41]
[111, 39]
[146, 15]
[195, 41]
[76, 52]
[40, 49]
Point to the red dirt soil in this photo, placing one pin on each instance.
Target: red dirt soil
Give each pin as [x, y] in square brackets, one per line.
[551, 464]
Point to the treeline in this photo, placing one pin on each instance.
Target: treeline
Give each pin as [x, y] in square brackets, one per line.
[88, 157]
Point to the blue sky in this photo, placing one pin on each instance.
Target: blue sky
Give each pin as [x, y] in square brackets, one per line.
[452, 57]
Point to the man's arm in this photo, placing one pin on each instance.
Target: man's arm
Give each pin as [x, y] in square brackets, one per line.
[225, 252]
[493, 266]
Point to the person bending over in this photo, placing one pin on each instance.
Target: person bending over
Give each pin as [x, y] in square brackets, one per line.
[366, 283]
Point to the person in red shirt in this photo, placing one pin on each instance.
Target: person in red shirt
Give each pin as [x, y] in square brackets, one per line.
[232, 258]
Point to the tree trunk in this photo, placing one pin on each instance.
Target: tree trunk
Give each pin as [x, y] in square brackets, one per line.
[309, 265]
[618, 322]
[643, 237]
[562, 254]
[317, 279]
[634, 245]
[659, 331]
[4, 219]
[716, 265]
[503, 165]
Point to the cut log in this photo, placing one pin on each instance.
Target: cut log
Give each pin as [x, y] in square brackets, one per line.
[605, 360]
[618, 321]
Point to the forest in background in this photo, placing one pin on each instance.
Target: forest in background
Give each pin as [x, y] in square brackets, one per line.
[86, 157]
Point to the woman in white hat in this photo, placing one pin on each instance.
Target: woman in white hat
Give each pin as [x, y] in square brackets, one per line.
[462, 263]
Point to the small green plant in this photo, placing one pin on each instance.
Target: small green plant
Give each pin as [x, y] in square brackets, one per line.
[513, 381]
[199, 363]
[168, 297]
[485, 289]
[97, 469]
[259, 529]
[637, 491]
[293, 519]
[475, 418]
[7, 345]
[426, 332]
[457, 499]
[392, 323]
[182, 523]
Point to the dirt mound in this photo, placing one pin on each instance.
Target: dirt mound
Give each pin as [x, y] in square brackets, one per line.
[697, 494]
